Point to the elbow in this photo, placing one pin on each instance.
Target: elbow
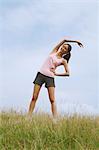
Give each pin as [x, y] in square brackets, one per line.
[67, 74]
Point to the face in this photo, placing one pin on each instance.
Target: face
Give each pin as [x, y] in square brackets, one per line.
[64, 49]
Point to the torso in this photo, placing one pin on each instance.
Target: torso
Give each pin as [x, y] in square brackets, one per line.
[50, 63]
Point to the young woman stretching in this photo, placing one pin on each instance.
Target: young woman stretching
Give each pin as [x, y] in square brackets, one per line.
[59, 56]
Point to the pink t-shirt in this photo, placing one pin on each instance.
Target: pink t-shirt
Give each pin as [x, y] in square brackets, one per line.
[50, 63]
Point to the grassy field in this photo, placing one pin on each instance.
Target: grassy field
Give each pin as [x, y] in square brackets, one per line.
[40, 133]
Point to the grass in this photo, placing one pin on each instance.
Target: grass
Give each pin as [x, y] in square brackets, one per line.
[69, 133]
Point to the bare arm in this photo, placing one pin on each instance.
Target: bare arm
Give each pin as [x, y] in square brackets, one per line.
[66, 73]
[56, 48]
[78, 42]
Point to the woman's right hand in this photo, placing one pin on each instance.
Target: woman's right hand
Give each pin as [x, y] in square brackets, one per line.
[52, 70]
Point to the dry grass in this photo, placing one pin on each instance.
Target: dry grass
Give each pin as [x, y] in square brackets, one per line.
[69, 133]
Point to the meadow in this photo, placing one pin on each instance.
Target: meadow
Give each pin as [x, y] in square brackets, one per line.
[70, 132]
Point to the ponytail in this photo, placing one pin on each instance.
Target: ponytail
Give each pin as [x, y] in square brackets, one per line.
[67, 56]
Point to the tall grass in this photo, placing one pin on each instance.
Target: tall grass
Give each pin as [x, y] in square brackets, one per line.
[69, 133]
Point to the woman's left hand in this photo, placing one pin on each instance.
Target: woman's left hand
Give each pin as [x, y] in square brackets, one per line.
[80, 44]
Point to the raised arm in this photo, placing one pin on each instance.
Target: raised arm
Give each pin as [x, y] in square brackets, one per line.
[73, 41]
[56, 48]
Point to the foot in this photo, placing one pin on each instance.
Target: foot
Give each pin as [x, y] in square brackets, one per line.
[28, 117]
[55, 120]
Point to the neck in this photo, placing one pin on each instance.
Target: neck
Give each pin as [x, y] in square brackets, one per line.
[59, 54]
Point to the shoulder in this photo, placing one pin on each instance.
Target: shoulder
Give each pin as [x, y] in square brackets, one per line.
[53, 53]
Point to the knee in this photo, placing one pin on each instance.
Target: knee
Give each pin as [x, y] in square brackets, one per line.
[34, 98]
[52, 101]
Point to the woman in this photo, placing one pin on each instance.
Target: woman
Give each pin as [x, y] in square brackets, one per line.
[59, 56]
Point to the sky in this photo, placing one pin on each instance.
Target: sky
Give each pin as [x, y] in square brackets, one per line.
[29, 30]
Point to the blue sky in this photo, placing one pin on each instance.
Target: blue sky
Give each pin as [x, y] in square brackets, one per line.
[29, 30]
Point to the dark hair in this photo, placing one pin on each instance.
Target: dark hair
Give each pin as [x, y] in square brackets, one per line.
[68, 55]
[69, 47]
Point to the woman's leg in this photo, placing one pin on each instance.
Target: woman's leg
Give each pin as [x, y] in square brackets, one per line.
[51, 93]
[34, 98]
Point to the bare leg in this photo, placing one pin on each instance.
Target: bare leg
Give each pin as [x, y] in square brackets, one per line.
[51, 93]
[34, 98]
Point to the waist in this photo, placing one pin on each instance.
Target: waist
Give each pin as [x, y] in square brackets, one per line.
[47, 72]
[45, 75]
